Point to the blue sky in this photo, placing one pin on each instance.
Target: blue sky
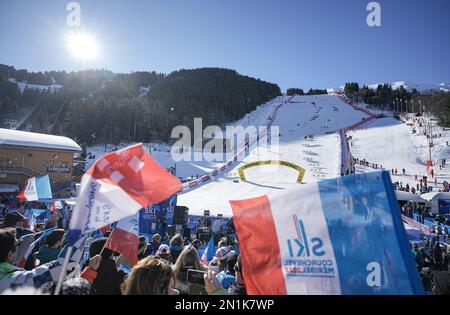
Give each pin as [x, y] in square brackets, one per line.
[314, 43]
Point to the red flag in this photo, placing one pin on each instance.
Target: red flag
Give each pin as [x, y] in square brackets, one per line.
[117, 186]
[124, 238]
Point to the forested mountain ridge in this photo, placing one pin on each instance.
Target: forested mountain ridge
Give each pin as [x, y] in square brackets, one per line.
[99, 106]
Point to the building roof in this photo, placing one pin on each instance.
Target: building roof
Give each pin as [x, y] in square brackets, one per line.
[407, 196]
[436, 196]
[40, 140]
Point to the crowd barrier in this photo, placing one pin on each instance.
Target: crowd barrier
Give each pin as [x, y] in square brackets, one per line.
[417, 225]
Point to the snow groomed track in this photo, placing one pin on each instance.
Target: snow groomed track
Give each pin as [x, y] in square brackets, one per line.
[320, 155]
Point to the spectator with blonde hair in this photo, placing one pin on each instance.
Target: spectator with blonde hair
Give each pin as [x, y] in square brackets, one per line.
[150, 276]
[188, 259]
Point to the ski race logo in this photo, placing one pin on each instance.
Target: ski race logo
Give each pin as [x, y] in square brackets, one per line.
[308, 257]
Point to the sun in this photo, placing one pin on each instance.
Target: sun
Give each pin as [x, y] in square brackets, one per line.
[82, 46]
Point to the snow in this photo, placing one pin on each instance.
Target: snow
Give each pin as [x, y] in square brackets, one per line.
[392, 144]
[408, 85]
[420, 87]
[318, 115]
[23, 85]
[384, 141]
[31, 139]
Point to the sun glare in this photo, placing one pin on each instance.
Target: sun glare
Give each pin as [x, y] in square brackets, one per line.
[82, 46]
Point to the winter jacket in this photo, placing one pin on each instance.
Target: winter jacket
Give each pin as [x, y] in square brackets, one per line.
[47, 254]
[109, 279]
[226, 279]
[12, 276]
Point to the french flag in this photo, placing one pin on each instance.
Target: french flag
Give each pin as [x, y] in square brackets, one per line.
[124, 238]
[117, 186]
[208, 253]
[338, 236]
[36, 188]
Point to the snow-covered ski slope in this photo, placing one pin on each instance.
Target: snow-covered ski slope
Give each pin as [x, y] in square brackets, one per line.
[384, 141]
[394, 145]
[321, 116]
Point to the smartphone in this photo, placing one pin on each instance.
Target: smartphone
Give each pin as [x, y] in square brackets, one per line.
[195, 277]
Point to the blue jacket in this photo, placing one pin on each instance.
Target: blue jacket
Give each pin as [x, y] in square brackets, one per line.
[226, 279]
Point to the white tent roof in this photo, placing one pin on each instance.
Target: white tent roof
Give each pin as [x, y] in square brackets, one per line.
[436, 196]
[407, 196]
[31, 139]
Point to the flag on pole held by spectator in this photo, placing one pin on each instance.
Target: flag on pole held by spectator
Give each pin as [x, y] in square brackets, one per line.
[117, 186]
[337, 236]
[36, 188]
[124, 238]
[30, 249]
[208, 253]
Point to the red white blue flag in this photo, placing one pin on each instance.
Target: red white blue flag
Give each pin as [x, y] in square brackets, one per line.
[36, 188]
[118, 185]
[208, 253]
[124, 238]
[339, 236]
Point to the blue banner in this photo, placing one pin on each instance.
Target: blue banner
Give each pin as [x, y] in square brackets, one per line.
[157, 217]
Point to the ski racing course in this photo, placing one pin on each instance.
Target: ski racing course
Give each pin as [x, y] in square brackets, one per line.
[320, 156]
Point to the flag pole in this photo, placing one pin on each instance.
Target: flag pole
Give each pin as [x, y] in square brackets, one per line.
[105, 244]
[63, 270]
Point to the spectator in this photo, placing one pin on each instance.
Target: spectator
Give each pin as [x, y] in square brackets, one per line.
[142, 247]
[196, 243]
[239, 289]
[437, 255]
[150, 276]
[222, 254]
[441, 283]
[11, 276]
[188, 259]
[227, 277]
[164, 252]
[52, 247]
[109, 279]
[16, 220]
[176, 246]
[154, 245]
[73, 286]
[418, 257]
